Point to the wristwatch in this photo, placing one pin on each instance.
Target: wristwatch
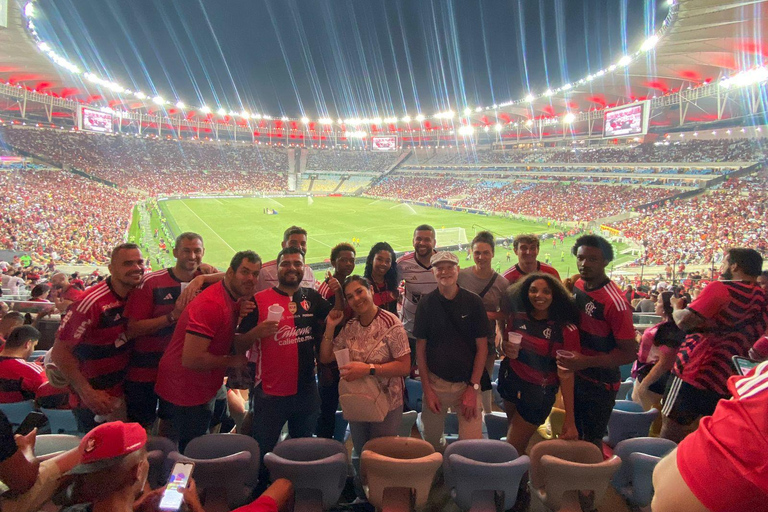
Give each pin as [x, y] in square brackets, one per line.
[372, 370]
[476, 387]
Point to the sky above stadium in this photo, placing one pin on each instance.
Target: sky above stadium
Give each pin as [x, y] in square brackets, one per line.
[346, 58]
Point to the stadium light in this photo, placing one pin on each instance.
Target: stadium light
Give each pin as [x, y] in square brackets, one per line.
[245, 115]
[406, 119]
[569, 118]
[158, 100]
[420, 118]
[467, 111]
[529, 123]
[326, 121]
[140, 95]
[649, 43]
[625, 61]
[180, 105]
[479, 109]
[283, 118]
[221, 112]
[529, 98]
[548, 92]
[486, 128]
[566, 87]
[466, 131]
[375, 120]
[29, 10]
[305, 120]
[205, 110]
[498, 127]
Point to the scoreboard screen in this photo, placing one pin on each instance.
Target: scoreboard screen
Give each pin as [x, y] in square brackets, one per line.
[627, 121]
[384, 143]
[95, 120]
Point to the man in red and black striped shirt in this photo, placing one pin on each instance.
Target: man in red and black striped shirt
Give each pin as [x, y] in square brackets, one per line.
[526, 249]
[607, 338]
[724, 321]
[152, 310]
[19, 378]
[91, 348]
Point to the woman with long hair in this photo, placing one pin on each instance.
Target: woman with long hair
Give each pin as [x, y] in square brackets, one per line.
[656, 355]
[540, 326]
[381, 272]
[378, 346]
[490, 286]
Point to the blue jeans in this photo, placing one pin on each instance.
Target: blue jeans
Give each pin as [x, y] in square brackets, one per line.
[362, 432]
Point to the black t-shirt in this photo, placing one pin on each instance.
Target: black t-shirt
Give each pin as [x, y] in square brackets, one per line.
[7, 443]
[451, 328]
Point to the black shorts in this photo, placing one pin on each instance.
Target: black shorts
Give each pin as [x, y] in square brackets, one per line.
[684, 403]
[141, 402]
[593, 404]
[533, 402]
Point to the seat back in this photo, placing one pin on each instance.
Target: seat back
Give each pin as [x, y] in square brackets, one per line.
[628, 405]
[627, 425]
[62, 421]
[220, 480]
[415, 393]
[316, 467]
[625, 390]
[213, 446]
[576, 451]
[642, 466]
[481, 468]
[407, 423]
[655, 446]
[398, 462]
[562, 476]
[51, 443]
[497, 425]
[158, 449]
[17, 411]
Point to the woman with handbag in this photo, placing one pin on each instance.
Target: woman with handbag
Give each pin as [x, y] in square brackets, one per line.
[371, 387]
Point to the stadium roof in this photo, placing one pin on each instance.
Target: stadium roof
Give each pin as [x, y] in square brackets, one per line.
[701, 42]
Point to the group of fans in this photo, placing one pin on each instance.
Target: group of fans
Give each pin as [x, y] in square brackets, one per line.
[180, 350]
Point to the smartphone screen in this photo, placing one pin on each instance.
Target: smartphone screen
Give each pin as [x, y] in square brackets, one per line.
[743, 365]
[177, 482]
[33, 420]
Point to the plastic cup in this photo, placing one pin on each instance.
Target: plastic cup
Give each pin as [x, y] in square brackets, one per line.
[275, 313]
[342, 357]
[515, 338]
[564, 354]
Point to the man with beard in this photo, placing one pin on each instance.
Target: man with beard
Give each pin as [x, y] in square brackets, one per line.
[284, 352]
[414, 270]
[724, 321]
[192, 369]
[91, 348]
[294, 236]
[607, 338]
[153, 309]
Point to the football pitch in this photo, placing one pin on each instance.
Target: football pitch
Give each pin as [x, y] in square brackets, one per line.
[229, 225]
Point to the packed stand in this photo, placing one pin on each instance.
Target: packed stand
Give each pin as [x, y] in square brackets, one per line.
[338, 161]
[423, 190]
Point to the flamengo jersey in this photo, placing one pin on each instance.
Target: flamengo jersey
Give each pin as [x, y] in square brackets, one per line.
[604, 316]
[419, 281]
[155, 296]
[268, 277]
[19, 379]
[729, 448]
[735, 316]
[285, 362]
[541, 340]
[94, 327]
[514, 273]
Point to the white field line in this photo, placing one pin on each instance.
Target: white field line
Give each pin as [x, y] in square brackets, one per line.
[209, 227]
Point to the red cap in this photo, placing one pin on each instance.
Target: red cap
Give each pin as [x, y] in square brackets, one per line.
[107, 444]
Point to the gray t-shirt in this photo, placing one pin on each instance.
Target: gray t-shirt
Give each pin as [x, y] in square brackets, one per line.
[492, 298]
[646, 306]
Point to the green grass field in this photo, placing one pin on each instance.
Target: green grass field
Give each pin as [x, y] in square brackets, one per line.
[230, 225]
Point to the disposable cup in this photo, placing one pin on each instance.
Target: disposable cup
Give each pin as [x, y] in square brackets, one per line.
[515, 338]
[275, 312]
[342, 357]
[564, 354]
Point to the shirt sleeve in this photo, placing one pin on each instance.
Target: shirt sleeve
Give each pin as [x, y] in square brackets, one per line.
[250, 321]
[32, 382]
[340, 341]
[75, 326]
[711, 300]
[571, 338]
[7, 443]
[203, 320]
[140, 303]
[620, 321]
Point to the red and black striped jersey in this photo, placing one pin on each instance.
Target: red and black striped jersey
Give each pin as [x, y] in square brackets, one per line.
[604, 317]
[536, 362]
[514, 273]
[735, 316]
[94, 327]
[19, 379]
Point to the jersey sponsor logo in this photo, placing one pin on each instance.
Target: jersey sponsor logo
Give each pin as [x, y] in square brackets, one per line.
[292, 308]
[288, 335]
[523, 327]
[168, 297]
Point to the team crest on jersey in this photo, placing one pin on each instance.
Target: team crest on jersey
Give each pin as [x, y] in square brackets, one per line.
[547, 333]
[589, 308]
[292, 308]
[305, 305]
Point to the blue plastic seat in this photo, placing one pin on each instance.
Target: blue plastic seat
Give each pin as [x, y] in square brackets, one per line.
[625, 390]
[628, 406]
[316, 467]
[497, 425]
[415, 392]
[221, 481]
[62, 421]
[17, 411]
[407, 423]
[633, 480]
[627, 425]
[480, 471]
[47, 444]
[158, 450]
[212, 446]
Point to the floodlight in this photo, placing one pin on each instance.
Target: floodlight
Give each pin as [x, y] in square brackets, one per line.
[649, 43]
[466, 131]
[205, 110]
[569, 118]
[222, 112]
[467, 111]
[498, 127]
[485, 128]
[625, 60]
[529, 98]
[406, 119]
[158, 100]
[420, 118]
[305, 120]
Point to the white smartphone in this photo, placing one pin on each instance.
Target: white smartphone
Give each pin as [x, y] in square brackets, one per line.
[177, 483]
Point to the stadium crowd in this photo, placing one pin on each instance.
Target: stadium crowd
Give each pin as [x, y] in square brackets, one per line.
[333, 160]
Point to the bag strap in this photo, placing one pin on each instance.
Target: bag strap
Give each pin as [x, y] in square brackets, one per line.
[489, 285]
